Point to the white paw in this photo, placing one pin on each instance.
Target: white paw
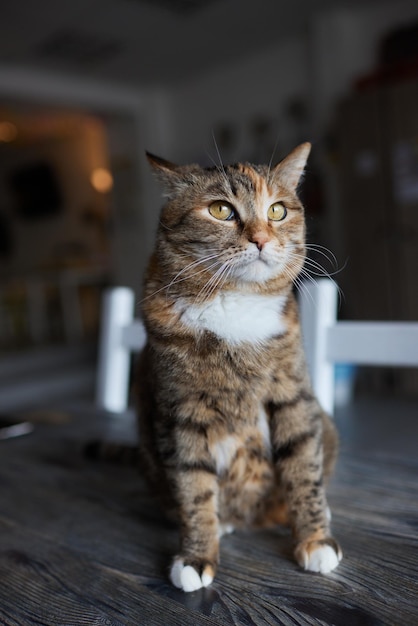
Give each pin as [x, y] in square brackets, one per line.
[323, 559]
[187, 578]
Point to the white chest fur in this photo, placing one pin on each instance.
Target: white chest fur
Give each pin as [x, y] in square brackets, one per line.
[223, 451]
[237, 318]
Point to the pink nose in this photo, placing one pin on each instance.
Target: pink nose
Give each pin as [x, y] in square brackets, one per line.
[260, 238]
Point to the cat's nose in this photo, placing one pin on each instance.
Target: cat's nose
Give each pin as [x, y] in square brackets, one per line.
[260, 238]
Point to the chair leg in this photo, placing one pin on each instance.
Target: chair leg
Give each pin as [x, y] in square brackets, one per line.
[318, 311]
[114, 357]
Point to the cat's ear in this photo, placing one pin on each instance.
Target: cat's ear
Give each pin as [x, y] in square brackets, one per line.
[159, 164]
[169, 174]
[290, 170]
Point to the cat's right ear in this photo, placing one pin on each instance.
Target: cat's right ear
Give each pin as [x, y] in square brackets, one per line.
[290, 170]
[169, 174]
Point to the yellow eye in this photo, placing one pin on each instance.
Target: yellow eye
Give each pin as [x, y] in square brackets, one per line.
[221, 210]
[277, 212]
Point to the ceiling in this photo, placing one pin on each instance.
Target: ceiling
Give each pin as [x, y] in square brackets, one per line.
[147, 42]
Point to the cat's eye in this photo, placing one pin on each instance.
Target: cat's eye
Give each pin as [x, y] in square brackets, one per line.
[277, 212]
[221, 210]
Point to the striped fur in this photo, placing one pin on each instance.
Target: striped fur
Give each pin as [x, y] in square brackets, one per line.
[230, 431]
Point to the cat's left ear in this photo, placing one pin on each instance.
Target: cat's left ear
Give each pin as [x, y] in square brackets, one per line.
[170, 175]
[290, 170]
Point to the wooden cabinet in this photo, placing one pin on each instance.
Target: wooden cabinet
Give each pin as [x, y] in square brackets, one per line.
[378, 138]
[402, 145]
[378, 141]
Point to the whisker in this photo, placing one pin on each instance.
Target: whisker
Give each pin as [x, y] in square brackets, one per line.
[219, 278]
[220, 167]
[208, 268]
[212, 283]
[301, 284]
[164, 225]
[218, 152]
[314, 247]
[223, 277]
[177, 278]
[321, 271]
[271, 158]
[307, 275]
[313, 264]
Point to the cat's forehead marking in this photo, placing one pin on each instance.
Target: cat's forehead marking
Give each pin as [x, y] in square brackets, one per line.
[257, 193]
[242, 177]
[256, 181]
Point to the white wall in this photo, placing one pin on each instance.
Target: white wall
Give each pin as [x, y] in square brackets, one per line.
[73, 153]
[259, 86]
[135, 119]
[341, 45]
[319, 67]
[344, 46]
[136, 198]
[178, 123]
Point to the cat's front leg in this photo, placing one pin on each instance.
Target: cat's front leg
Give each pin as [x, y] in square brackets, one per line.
[197, 490]
[299, 454]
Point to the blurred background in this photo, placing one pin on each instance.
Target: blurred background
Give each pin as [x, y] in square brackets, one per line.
[87, 86]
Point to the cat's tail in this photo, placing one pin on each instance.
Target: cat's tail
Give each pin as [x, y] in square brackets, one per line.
[111, 452]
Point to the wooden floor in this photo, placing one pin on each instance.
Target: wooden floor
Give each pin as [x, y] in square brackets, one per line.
[82, 543]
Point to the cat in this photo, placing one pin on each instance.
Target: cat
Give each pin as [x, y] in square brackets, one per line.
[231, 434]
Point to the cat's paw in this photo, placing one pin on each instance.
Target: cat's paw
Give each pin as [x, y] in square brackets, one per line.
[319, 555]
[188, 578]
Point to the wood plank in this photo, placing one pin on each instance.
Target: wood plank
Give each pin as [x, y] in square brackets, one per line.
[44, 582]
[84, 543]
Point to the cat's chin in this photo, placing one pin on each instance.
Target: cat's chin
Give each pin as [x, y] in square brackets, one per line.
[256, 272]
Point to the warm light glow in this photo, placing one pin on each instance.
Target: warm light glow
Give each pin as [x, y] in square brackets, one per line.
[101, 179]
[8, 132]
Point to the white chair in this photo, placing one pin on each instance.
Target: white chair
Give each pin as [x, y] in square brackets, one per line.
[327, 342]
[120, 335]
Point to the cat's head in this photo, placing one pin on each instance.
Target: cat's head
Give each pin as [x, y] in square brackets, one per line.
[232, 225]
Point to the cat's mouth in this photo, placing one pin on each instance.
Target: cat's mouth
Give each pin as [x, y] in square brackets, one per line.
[258, 268]
[264, 257]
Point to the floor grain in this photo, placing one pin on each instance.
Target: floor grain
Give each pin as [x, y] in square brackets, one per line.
[82, 542]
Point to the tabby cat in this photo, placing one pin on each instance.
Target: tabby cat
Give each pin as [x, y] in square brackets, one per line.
[230, 432]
